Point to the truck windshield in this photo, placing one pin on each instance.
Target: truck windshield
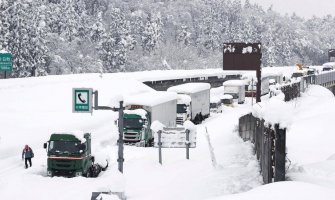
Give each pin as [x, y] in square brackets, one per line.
[64, 147]
[213, 105]
[132, 123]
[181, 108]
[235, 96]
[227, 101]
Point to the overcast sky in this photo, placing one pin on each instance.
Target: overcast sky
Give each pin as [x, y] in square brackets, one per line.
[303, 8]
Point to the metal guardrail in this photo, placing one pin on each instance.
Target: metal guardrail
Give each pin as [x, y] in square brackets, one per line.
[325, 77]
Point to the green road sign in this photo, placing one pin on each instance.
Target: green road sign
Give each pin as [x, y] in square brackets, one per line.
[6, 63]
[82, 100]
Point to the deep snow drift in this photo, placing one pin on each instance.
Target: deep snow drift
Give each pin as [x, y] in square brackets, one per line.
[33, 108]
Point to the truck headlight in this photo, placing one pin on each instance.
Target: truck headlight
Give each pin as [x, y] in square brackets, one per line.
[49, 173]
[78, 174]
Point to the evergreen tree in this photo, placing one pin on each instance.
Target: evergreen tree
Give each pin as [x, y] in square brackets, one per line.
[23, 35]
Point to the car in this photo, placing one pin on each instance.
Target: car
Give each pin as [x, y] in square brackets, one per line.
[328, 66]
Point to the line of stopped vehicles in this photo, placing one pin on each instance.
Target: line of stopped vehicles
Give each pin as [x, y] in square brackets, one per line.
[69, 154]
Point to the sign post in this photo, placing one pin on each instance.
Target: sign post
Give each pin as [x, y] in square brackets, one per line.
[120, 141]
[6, 64]
[82, 100]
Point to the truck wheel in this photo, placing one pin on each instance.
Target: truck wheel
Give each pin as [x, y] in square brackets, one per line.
[88, 173]
[151, 142]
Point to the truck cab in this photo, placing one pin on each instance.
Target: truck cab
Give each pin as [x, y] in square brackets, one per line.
[69, 155]
[215, 105]
[144, 108]
[183, 108]
[136, 127]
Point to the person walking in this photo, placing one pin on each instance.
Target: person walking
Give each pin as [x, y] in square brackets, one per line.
[27, 154]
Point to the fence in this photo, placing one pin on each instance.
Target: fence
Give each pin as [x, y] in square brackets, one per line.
[270, 144]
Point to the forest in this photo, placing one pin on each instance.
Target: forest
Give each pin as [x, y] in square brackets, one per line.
[48, 37]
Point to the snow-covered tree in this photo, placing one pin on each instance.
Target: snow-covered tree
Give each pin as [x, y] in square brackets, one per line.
[114, 47]
[23, 34]
[151, 33]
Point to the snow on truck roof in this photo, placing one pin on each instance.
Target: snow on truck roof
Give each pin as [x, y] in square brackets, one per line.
[226, 96]
[189, 87]
[184, 99]
[234, 83]
[150, 98]
[140, 112]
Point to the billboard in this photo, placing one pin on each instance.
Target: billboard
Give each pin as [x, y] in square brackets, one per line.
[242, 56]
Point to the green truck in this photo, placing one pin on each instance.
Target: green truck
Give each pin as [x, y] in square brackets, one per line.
[70, 155]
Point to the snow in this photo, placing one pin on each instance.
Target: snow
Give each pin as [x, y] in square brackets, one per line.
[189, 88]
[150, 98]
[234, 83]
[331, 64]
[157, 126]
[78, 134]
[217, 91]
[215, 99]
[31, 109]
[274, 111]
[140, 112]
[226, 96]
[3, 51]
[189, 125]
[183, 99]
[247, 50]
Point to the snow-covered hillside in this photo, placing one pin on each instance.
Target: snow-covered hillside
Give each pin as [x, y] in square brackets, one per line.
[33, 108]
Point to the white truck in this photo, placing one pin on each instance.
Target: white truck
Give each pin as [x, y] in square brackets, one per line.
[193, 101]
[265, 89]
[235, 88]
[215, 104]
[143, 109]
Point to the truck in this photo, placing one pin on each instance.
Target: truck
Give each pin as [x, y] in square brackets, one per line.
[69, 155]
[143, 109]
[235, 88]
[215, 104]
[193, 102]
[265, 89]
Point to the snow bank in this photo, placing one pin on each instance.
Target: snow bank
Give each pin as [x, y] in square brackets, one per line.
[289, 190]
[190, 126]
[311, 137]
[150, 98]
[274, 111]
[217, 90]
[189, 88]
[157, 126]
[115, 101]
[215, 99]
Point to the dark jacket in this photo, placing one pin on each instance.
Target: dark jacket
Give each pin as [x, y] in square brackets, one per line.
[27, 153]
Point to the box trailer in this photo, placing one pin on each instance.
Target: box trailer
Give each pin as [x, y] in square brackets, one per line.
[235, 88]
[143, 109]
[193, 101]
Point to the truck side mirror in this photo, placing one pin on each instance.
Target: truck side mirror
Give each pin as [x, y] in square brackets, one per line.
[45, 145]
[82, 147]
